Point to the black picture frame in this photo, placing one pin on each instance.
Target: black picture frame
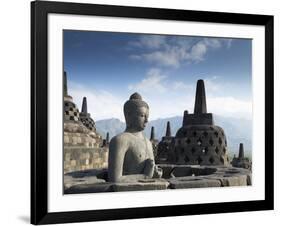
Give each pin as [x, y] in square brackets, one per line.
[39, 112]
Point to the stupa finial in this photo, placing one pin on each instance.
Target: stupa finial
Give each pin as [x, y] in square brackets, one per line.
[200, 99]
[241, 151]
[84, 106]
[152, 134]
[168, 130]
[185, 115]
[107, 137]
[65, 84]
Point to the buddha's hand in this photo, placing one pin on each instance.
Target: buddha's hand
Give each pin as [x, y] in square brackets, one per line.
[149, 168]
[158, 172]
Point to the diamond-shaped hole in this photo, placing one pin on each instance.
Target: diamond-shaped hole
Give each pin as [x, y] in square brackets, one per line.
[220, 141]
[217, 150]
[193, 150]
[211, 160]
[188, 141]
[194, 133]
[211, 142]
[224, 150]
[205, 134]
[222, 160]
[216, 133]
[199, 160]
[182, 150]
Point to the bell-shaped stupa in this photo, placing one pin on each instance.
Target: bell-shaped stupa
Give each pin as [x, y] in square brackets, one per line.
[199, 141]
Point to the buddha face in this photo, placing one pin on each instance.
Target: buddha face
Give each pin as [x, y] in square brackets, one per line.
[138, 119]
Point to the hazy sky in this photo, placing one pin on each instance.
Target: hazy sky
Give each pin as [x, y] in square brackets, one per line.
[107, 67]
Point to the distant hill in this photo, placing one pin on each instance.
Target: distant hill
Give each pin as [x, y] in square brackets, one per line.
[236, 130]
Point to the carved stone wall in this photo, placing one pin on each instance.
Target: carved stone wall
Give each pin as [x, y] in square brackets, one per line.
[76, 159]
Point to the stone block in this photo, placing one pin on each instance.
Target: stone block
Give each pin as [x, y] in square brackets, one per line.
[66, 139]
[70, 181]
[193, 182]
[142, 185]
[231, 180]
[249, 179]
[89, 188]
[73, 162]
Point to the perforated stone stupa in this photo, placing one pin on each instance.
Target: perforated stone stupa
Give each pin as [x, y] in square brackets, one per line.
[79, 128]
[82, 143]
[165, 147]
[153, 141]
[199, 141]
[241, 161]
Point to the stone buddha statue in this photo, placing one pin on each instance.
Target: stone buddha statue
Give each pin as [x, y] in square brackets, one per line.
[130, 153]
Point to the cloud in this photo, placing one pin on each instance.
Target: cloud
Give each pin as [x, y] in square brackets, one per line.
[153, 82]
[230, 106]
[228, 43]
[163, 107]
[101, 103]
[175, 51]
[157, 82]
[212, 84]
[149, 41]
[197, 52]
[163, 58]
[182, 86]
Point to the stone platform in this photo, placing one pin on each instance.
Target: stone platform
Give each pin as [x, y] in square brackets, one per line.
[174, 177]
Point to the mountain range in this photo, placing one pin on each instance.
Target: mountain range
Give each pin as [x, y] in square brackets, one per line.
[236, 130]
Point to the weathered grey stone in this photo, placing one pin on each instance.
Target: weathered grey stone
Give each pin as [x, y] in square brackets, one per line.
[81, 158]
[141, 185]
[131, 153]
[192, 171]
[168, 130]
[65, 84]
[234, 180]
[249, 179]
[241, 161]
[193, 182]
[241, 151]
[165, 147]
[199, 141]
[230, 176]
[70, 181]
[89, 188]
[98, 173]
[153, 141]
[84, 106]
[200, 106]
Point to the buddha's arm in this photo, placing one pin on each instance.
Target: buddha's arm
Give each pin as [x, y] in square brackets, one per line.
[115, 159]
[157, 172]
[150, 150]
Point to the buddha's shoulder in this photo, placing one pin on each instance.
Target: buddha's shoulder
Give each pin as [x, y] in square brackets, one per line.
[122, 138]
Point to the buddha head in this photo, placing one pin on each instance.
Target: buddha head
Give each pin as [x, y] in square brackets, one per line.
[136, 113]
